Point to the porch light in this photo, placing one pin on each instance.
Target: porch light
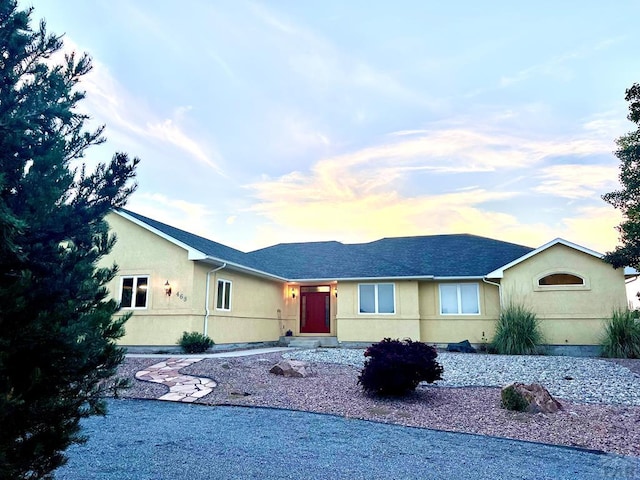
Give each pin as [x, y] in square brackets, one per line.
[335, 292]
[293, 292]
[167, 289]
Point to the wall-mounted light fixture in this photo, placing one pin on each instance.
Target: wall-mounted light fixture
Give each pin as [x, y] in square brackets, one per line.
[293, 292]
[167, 289]
[335, 292]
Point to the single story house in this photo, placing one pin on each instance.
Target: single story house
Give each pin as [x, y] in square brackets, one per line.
[436, 289]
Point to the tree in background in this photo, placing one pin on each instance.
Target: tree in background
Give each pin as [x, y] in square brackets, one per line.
[57, 328]
[627, 199]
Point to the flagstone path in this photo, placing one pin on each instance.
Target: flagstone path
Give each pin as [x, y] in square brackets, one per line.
[182, 388]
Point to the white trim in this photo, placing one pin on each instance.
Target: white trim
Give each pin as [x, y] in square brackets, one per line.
[197, 255]
[375, 298]
[227, 287]
[499, 273]
[361, 279]
[134, 289]
[459, 298]
[192, 253]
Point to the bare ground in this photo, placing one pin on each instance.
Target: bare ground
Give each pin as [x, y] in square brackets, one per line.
[333, 389]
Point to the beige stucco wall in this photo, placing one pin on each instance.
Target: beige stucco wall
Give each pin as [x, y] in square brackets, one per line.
[437, 328]
[571, 315]
[353, 326]
[256, 305]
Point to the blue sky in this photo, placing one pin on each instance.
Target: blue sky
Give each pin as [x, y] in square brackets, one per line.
[267, 122]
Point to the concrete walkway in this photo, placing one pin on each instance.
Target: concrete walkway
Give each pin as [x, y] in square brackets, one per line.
[187, 388]
[229, 354]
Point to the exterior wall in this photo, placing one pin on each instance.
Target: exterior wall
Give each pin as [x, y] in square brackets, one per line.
[353, 326]
[256, 307]
[438, 328]
[291, 311]
[256, 304]
[140, 252]
[569, 315]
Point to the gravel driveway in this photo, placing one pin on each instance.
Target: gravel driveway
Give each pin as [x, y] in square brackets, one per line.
[141, 440]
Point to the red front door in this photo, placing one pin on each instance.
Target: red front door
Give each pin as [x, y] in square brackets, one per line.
[314, 311]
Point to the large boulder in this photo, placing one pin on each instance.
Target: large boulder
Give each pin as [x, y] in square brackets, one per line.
[291, 368]
[532, 398]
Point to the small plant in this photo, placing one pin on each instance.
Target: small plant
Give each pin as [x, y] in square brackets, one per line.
[517, 332]
[289, 333]
[194, 342]
[511, 399]
[621, 337]
[394, 367]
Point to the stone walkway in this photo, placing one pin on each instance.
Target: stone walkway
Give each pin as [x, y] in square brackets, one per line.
[182, 388]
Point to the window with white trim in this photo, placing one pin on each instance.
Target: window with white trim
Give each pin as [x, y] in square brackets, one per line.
[377, 298]
[134, 292]
[223, 297]
[459, 299]
[560, 279]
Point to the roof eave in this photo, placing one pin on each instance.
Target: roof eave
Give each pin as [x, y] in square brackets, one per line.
[192, 253]
[241, 268]
[499, 272]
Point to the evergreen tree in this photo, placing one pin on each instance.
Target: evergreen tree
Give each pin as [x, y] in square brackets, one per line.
[57, 326]
[627, 199]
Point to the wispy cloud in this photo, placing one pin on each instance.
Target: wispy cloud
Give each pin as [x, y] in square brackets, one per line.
[577, 181]
[108, 102]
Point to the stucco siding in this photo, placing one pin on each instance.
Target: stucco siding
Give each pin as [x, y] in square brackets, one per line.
[353, 326]
[256, 307]
[573, 314]
[139, 252]
[438, 328]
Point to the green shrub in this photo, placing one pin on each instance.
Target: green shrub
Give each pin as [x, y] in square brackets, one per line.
[512, 400]
[194, 342]
[395, 367]
[622, 335]
[517, 332]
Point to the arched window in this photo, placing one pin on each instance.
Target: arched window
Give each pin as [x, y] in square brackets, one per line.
[556, 279]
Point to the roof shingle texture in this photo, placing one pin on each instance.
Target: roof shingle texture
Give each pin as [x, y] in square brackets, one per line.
[458, 255]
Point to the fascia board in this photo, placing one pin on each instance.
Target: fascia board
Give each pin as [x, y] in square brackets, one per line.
[192, 253]
[499, 272]
[241, 268]
[357, 279]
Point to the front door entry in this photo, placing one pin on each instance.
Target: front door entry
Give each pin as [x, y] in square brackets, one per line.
[315, 309]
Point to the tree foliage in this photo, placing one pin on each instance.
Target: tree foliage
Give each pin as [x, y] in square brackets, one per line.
[57, 327]
[627, 199]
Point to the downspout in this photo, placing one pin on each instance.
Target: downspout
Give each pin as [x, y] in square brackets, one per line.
[207, 312]
[499, 289]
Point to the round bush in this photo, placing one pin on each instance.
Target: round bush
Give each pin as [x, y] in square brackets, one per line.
[395, 367]
[194, 342]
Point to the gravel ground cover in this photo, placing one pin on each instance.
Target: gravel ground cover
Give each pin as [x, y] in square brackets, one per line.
[601, 406]
[150, 440]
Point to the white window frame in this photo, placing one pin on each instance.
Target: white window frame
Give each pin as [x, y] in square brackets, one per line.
[375, 300]
[135, 278]
[585, 285]
[226, 287]
[459, 297]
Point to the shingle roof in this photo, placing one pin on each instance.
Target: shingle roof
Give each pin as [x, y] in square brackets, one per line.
[206, 246]
[459, 255]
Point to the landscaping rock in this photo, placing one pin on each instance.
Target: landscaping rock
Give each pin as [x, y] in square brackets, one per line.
[291, 368]
[536, 398]
[463, 346]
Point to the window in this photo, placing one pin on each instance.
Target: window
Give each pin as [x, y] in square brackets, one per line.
[459, 299]
[133, 292]
[223, 301]
[560, 279]
[377, 298]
